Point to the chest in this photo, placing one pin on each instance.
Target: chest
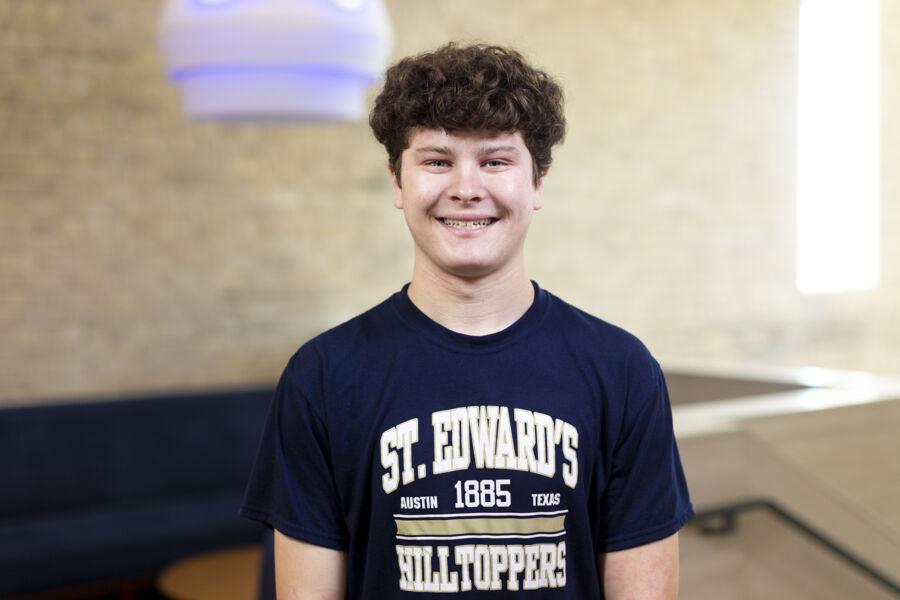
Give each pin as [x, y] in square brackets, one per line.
[453, 432]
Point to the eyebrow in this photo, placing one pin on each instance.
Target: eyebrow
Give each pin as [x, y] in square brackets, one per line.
[433, 150]
[483, 150]
[494, 149]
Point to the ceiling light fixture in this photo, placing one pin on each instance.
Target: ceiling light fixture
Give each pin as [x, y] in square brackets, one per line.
[252, 60]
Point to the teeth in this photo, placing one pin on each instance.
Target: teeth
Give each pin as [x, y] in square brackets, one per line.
[467, 224]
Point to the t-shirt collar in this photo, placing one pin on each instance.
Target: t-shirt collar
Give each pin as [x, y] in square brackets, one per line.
[415, 318]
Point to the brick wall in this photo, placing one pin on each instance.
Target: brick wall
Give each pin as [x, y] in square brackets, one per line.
[142, 252]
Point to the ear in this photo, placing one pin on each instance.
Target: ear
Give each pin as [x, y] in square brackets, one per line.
[398, 192]
[538, 188]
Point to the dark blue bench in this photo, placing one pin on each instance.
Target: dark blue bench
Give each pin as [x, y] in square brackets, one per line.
[116, 490]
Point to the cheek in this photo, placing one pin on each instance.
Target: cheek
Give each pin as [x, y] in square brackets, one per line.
[520, 193]
[423, 201]
[417, 212]
[526, 203]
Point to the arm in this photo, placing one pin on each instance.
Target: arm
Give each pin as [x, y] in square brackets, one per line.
[648, 572]
[307, 572]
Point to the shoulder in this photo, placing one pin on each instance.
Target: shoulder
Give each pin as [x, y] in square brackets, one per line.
[349, 341]
[609, 343]
[629, 380]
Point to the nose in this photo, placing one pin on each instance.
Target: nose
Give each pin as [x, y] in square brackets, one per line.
[466, 184]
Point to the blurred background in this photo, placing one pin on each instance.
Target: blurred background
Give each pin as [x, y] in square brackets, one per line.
[146, 256]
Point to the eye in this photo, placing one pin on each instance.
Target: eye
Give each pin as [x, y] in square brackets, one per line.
[495, 163]
[437, 163]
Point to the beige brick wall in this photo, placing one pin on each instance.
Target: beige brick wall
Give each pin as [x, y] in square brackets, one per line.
[142, 252]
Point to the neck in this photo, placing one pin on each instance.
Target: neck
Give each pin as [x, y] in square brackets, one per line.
[473, 306]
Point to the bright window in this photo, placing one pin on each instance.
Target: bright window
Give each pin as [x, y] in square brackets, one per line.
[838, 146]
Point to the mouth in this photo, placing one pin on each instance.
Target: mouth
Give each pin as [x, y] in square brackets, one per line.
[468, 224]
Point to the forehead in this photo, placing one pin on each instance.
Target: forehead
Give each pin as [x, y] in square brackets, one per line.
[464, 140]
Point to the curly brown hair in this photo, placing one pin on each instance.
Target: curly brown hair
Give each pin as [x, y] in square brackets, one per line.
[469, 88]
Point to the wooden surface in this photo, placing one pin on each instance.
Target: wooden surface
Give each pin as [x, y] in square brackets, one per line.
[230, 574]
[835, 469]
[854, 451]
[689, 388]
[765, 559]
[838, 469]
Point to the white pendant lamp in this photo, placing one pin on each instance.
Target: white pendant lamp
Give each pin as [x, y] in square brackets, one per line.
[253, 60]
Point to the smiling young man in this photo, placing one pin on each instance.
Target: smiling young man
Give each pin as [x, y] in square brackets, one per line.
[473, 434]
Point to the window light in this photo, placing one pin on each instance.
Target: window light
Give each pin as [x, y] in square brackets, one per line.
[838, 146]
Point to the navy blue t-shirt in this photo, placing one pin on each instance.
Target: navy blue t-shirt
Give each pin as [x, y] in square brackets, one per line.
[489, 466]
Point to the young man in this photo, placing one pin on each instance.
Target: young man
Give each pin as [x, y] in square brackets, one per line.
[473, 434]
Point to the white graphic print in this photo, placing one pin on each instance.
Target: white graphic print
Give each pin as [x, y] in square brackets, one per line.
[490, 547]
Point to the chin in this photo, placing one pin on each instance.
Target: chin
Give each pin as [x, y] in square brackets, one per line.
[471, 270]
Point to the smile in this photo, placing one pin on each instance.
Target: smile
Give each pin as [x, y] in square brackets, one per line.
[476, 224]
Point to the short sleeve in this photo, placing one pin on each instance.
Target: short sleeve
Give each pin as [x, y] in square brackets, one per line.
[646, 497]
[292, 486]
